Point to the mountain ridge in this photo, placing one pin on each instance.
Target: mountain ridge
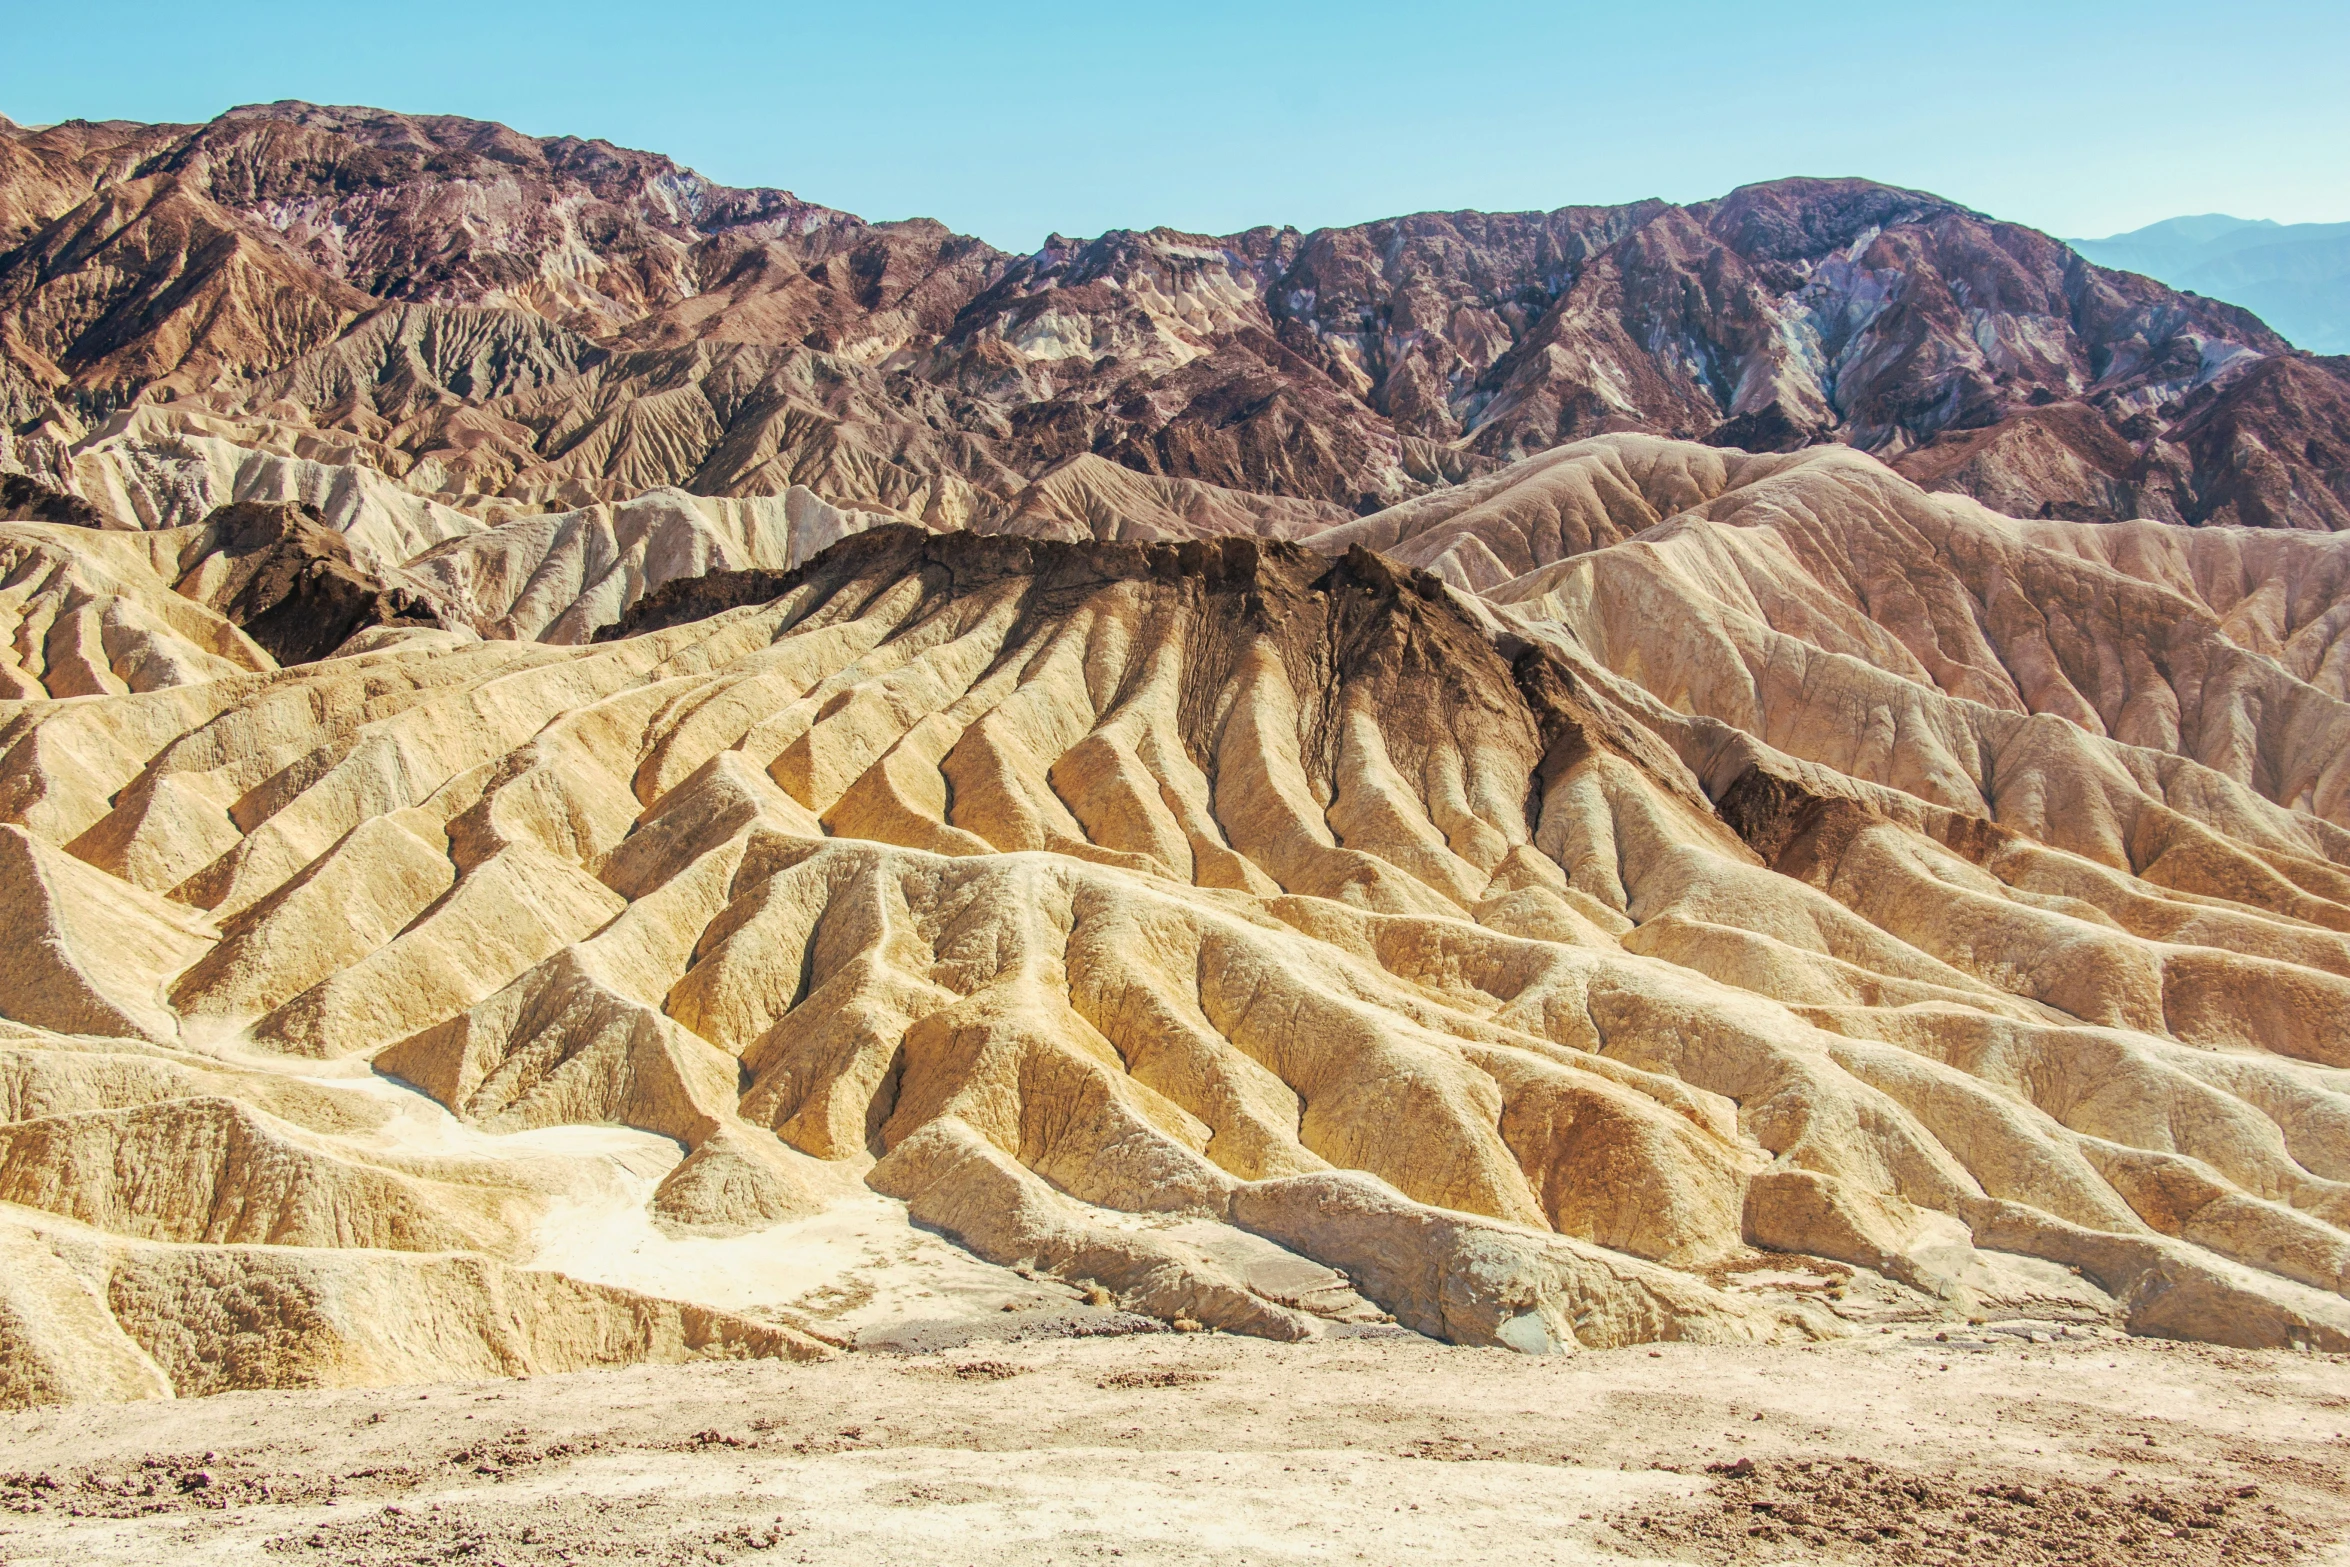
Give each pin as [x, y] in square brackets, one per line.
[684, 777]
[2295, 274]
[499, 319]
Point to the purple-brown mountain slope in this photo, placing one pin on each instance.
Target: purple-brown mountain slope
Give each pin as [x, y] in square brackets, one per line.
[483, 315]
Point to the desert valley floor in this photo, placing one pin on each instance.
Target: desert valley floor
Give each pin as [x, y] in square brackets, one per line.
[2023, 1442]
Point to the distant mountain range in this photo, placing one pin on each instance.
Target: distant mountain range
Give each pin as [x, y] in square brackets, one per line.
[481, 321]
[2294, 276]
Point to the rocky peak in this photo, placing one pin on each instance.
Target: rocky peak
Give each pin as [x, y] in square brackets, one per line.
[743, 338]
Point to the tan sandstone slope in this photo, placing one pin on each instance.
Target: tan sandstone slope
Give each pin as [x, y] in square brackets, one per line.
[1716, 874]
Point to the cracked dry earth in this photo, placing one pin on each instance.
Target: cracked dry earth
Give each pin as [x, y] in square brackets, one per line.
[1974, 1446]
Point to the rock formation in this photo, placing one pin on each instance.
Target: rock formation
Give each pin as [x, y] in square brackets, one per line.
[459, 320]
[1527, 777]
[1716, 855]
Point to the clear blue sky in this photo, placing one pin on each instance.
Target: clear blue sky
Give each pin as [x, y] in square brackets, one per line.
[1014, 120]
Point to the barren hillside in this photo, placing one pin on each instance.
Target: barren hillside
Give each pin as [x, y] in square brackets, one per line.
[492, 321]
[599, 770]
[1724, 859]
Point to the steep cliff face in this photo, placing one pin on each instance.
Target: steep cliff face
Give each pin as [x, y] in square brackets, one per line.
[492, 316]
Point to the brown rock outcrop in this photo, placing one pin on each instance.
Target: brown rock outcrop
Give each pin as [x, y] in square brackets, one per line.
[278, 573]
[25, 499]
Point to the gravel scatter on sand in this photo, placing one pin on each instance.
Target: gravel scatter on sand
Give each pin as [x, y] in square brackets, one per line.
[1209, 1448]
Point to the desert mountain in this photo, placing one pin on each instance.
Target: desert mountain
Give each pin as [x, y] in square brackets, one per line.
[2295, 275]
[486, 319]
[598, 769]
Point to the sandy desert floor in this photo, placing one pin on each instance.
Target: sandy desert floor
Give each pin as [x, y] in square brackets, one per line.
[1980, 1447]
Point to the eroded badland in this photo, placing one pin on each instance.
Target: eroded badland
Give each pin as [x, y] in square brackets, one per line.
[986, 908]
